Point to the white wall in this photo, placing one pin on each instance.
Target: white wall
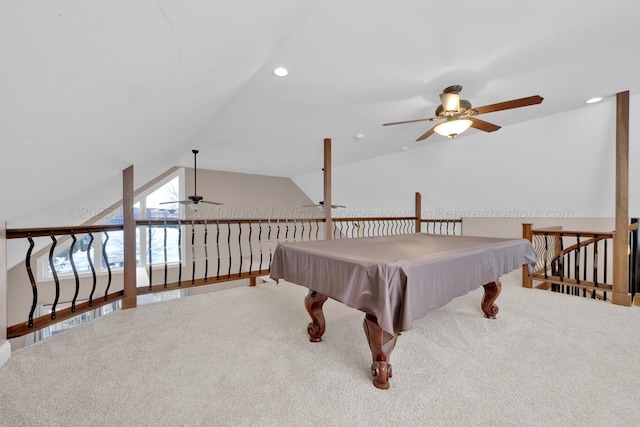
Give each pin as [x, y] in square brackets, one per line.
[558, 166]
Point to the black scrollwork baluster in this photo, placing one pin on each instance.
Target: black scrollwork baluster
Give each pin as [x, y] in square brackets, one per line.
[595, 260]
[75, 271]
[218, 248]
[229, 246]
[206, 252]
[32, 280]
[605, 278]
[269, 240]
[106, 261]
[54, 272]
[240, 246]
[92, 267]
[166, 262]
[179, 253]
[193, 251]
[150, 254]
[260, 241]
[250, 248]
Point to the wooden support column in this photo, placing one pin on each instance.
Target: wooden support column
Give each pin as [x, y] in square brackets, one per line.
[418, 212]
[5, 346]
[621, 294]
[129, 237]
[327, 187]
[527, 233]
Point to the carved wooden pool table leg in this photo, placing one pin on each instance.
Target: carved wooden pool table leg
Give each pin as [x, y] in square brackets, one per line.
[491, 292]
[313, 301]
[381, 344]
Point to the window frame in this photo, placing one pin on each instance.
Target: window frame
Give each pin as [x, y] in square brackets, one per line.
[44, 274]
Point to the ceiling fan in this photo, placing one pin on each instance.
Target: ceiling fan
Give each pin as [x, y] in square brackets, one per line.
[458, 115]
[321, 204]
[194, 199]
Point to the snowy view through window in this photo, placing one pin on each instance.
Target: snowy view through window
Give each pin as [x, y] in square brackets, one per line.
[148, 207]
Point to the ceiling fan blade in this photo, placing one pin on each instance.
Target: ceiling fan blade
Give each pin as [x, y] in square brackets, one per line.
[211, 203]
[411, 121]
[319, 205]
[184, 202]
[427, 134]
[482, 125]
[507, 105]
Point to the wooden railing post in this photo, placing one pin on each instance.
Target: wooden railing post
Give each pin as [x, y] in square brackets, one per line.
[527, 233]
[418, 212]
[129, 240]
[5, 346]
[621, 294]
[327, 188]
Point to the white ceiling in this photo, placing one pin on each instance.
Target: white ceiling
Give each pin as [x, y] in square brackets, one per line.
[89, 87]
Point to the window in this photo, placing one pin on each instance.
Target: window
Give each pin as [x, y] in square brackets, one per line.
[148, 205]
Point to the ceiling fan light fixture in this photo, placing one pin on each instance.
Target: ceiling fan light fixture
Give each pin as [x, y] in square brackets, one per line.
[453, 128]
[194, 207]
[450, 102]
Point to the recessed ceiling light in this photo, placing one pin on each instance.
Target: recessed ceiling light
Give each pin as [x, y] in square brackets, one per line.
[404, 148]
[594, 100]
[359, 135]
[281, 72]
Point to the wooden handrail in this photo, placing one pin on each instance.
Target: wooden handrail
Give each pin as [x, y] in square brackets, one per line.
[17, 233]
[570, 233]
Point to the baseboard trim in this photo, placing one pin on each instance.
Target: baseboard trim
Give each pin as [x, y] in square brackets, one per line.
[5, 352]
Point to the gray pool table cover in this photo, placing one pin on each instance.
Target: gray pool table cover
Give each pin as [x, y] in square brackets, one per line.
[399, 278]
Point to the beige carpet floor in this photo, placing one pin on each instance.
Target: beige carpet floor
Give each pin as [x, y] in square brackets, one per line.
[241, 357]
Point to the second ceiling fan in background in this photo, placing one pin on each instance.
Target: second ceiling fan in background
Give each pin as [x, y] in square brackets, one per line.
[194, 199]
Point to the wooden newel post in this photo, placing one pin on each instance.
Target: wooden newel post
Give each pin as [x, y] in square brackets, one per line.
[621, 294]
[418, 212]
[327, 188]
[527, 234]
[129, 237]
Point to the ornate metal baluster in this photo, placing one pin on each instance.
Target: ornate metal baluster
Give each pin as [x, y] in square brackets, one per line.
[150, 254]
[32, 280]
[229, 246]
[92, 267]
[260, 240]
[576, 261]
[179, 253]
[546, 254]
[302, 231]
[561, 260]
[75, 271]
[206, 252]
[240, 246]
[106, 261]
[250, 248]
[218, 248]
[193, 251]
[605, 279]
[269, 241]
[595, 260]
[166, 264]
[55, 275]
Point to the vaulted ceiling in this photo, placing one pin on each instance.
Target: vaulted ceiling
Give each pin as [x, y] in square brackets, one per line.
[88, 88]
